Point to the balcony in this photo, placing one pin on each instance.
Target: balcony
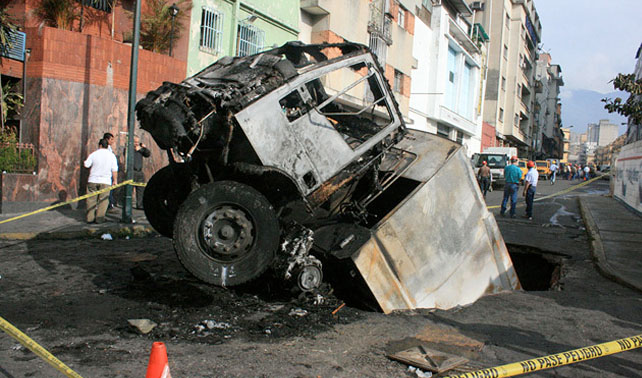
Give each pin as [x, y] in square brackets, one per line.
[462, 37]
[316, 7]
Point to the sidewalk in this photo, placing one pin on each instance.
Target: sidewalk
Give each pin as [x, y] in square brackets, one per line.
[616, 236]
[69, 223]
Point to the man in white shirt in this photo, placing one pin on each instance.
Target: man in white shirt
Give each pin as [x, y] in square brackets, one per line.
[103, 172]
[553, 168]
[530, 185]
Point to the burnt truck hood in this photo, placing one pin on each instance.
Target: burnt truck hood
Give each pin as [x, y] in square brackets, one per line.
[171, 112]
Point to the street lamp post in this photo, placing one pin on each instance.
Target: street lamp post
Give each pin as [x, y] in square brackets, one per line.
[173, 11]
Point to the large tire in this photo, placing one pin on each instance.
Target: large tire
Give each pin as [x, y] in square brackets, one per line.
[226, 233]
[162, 197]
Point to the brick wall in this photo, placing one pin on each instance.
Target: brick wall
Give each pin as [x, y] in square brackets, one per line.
[71, 56]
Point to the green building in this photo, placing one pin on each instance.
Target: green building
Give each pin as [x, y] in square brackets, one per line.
[238, 27]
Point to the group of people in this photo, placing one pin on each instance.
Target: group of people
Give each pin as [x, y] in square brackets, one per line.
[103, 173]
[577, 172]
[513, 176]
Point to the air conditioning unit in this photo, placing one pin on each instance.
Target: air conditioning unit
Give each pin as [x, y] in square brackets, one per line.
[477, 6]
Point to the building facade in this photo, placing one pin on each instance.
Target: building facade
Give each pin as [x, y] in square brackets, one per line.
[386, 26]
[447, 83]
[514, 28]
[238, 27]
[547, 140]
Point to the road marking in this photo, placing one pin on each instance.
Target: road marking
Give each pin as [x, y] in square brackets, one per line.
[37, 349]
[73, 200]
[556, 360]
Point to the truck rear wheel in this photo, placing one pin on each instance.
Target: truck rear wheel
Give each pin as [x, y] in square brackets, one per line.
[226, 233]
[162, 197]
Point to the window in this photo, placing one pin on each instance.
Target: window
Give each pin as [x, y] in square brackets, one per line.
[398, 84]
[519, 90]
[427, 4]
[357, 108]
[451, 88]
[401, 17]
[516, 122]
[465, 107]
[505, 52]
[460, 137]
[211, 30]
[503, 83]
[250, 39]
[443, 130]
[501, 115]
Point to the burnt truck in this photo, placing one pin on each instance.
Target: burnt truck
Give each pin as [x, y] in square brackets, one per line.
[297, 159]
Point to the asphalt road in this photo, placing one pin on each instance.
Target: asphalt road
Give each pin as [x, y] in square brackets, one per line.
[74, 297]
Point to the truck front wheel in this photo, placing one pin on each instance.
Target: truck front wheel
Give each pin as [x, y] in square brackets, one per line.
[226, 233]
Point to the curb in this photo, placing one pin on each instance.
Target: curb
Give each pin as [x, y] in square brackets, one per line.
[132, 231]
[597, 249]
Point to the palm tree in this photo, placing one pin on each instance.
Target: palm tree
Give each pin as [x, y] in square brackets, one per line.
[156, 25]
[58, 13]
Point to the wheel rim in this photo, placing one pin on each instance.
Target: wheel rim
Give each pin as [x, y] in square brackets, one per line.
[227, 233]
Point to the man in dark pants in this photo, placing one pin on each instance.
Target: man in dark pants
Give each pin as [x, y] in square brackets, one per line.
[530, 185]
[513, 175]
[140, 151]
[109, 137]
[484, 177]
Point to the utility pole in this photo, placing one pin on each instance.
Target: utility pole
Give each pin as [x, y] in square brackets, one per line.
[131, 119]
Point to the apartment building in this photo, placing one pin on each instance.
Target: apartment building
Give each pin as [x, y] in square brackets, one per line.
[566, 144]
[515, 29]
[238, 27]
[547, 139]
[386, 26]
[447, 83]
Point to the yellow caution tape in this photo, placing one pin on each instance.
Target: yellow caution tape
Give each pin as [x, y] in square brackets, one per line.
[128, 182]
[572, 188]
[556, 360]
[37, 349]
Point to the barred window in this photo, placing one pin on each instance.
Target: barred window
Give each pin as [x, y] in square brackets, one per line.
[211, 30]
[250, 39]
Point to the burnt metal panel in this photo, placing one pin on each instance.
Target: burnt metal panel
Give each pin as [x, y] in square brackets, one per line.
[441, 247]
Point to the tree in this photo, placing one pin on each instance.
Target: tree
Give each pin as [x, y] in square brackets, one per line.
[632, 107]
[7, 25]
[58, 13]
[156, 25]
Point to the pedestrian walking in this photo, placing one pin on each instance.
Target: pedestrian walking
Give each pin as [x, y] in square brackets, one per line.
[513, 175]
[484, 177]
[530, 186]
[109, 137]
[103, 172]
[553, 168]
[140, 152]
[587, 170]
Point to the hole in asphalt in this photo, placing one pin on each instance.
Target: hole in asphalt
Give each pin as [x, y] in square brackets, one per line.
[537, 269]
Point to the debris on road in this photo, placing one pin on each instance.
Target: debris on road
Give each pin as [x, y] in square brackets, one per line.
[106, 237]
[144, 326]
[428, 359]
[298, 312]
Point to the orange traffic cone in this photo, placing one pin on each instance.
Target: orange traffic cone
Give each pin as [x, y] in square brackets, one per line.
[158, 366]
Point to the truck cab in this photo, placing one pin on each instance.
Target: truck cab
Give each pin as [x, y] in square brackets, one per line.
[496, 162]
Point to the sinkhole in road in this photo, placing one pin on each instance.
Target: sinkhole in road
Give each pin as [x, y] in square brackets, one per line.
[538, 270]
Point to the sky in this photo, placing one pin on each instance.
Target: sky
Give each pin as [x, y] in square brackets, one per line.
[592, 41]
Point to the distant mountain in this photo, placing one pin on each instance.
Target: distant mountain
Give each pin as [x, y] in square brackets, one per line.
[581, 107]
